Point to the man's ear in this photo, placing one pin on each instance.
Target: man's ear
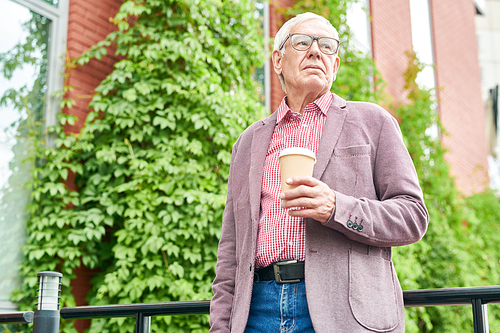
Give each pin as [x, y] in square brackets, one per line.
[336, 68]
[276, 59]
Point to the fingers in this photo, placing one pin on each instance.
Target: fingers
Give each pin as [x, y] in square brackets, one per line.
[303, 180]
[311, 199]
[307, 190]
[301, 202]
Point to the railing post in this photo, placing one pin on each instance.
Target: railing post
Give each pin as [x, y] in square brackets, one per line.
[47, 316]
[480, 316]
[142, 323]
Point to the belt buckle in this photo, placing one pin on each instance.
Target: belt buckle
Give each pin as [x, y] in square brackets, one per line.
[277, 276]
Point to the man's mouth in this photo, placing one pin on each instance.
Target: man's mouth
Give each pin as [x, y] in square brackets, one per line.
[314, 67]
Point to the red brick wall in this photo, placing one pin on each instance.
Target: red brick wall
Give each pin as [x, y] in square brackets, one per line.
[458, 77]
[391, 38]
[88, 24]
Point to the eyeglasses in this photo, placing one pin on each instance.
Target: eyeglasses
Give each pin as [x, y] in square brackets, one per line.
[303, 42]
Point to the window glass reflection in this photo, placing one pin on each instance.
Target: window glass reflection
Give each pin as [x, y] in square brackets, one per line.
[421, 31]
[23, 76]
[260, 72]
[54, 3]
[358, 20]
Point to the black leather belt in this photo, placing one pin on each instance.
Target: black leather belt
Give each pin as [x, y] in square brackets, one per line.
[287, 271]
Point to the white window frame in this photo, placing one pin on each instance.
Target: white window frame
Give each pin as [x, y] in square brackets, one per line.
[57, 50]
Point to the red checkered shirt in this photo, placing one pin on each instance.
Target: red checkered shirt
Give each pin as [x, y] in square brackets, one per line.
[281, 236]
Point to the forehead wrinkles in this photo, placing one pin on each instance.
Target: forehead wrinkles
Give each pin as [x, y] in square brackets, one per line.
[314, 24]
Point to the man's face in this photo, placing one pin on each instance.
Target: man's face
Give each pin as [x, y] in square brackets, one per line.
[310, 70]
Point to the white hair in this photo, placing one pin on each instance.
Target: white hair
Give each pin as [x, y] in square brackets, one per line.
[285, 30]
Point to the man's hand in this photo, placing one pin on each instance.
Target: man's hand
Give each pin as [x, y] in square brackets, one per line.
[314, 198]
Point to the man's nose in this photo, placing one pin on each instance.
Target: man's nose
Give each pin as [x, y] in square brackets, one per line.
[314, 50]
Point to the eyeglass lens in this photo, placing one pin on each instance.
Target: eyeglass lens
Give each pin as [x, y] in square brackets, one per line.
[302, 42]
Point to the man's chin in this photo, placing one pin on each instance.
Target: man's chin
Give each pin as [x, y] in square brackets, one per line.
[315, 85]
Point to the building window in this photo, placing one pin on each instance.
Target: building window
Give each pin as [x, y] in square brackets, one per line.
[32, 50]
[358, 20]
[421, 34]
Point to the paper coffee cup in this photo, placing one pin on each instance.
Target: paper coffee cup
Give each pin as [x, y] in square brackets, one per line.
[295, 161]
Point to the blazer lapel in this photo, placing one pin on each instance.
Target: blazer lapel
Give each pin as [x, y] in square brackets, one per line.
[260, 144]
[262, 136]
[331, 132]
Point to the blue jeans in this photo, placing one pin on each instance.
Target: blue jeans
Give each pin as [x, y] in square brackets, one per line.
[279, 308]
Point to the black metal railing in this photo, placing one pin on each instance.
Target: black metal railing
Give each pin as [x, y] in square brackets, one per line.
[477, 297]
[16, 317]
[142, 312]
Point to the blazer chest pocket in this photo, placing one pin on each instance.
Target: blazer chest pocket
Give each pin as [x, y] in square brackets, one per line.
[350, 170]
[372, 292]
[352, 151]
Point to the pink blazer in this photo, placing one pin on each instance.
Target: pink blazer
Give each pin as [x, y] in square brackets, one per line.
[350, 279]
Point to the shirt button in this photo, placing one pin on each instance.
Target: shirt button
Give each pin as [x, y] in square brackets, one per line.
[304, 125]
[290, 243]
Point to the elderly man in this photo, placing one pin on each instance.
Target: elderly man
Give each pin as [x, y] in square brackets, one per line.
[316, 258]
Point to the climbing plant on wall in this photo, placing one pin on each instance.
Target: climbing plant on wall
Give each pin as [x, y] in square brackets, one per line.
[152, 161]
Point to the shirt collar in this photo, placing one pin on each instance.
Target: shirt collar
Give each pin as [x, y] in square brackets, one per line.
[322, 103]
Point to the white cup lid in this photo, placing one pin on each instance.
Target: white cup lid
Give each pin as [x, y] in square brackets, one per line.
[298, 151]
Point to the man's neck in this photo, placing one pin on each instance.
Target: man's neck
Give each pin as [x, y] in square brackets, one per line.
[298, 102]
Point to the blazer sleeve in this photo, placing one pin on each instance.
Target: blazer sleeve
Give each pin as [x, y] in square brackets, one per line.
[398, 216]
[224, 283]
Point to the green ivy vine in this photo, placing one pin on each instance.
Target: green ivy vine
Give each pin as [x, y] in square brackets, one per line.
[151, 163]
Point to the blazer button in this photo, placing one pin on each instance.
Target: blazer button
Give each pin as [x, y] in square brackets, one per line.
[360, 227]
[349, 224]
[355, 226]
